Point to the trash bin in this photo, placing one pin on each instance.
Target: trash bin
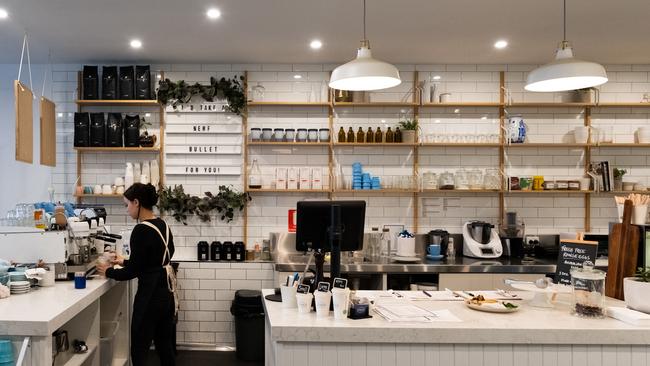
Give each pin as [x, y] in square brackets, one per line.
[107, 333]
[249, 325]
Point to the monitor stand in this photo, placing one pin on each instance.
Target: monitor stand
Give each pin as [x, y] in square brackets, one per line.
[335, 232]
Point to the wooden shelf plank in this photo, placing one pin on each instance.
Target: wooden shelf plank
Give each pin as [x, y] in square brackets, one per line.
[542, 144]
[80, 358]
[623, 192]
[265, 190]
[553, 191]
[623, 104]
[289, 104]
[117, 103]
[374, 104]
[98, 195]
[374, 144]
[117, 149]
[549, 105]
[462, 104]
[631, 144]
[459, 144]
[275, 143]
[461, 191]
[376, 191]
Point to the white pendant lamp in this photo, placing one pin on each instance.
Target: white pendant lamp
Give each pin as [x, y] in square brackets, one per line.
[565, 72]
[364, 72]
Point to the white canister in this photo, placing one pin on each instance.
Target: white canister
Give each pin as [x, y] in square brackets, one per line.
[323, 299]
[256, 134]
[97, 189]
[341, 299]
[312, 135]
[305, 178]
[128, 175]
[146, 173]
[445, 97]
[278, 134]
[316, 178]
[324, 135]
[136, 172]
[267, 134]
[292, 178]
[155, 173]
[640, 215]
[289, 134]
[406, 247]
[107, 189]
[581, 134]
[288, 296]
[585, 183]
[301, 135]
[281, 178]
[304, 302]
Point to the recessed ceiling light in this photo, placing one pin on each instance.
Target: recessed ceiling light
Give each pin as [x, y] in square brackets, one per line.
[147, 114]
[484, 117]
[436, 77]
[316, 44]
[456, 110]
[500, 44]
[213, 13]
[158, 76]
[136, 43]
[3, 14]
[297, 76]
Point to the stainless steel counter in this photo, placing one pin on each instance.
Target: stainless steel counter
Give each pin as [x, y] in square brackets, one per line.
[296, 263]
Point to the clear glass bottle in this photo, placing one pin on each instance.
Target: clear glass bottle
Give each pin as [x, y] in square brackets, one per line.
[374, 244]
[451, 249]
[386, 243]
[255, 176]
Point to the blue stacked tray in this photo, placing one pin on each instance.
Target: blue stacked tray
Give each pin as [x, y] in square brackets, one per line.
[357, 173]
[376, 184]
[366, 181]
[6, 352]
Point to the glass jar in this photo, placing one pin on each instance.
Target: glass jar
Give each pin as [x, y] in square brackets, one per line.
[475, 179]
[446, 181]
[462, 179]
[492, 179]
[430, 180]
[588, 291]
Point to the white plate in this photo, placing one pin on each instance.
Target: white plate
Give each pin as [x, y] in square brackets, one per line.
[20, 283]
[494, 307]
[406, 259]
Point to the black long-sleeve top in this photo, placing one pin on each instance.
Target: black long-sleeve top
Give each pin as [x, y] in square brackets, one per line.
[147, 250]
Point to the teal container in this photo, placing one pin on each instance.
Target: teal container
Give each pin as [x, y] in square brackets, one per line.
[6, 352]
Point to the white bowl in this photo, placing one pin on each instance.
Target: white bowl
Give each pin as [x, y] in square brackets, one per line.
[637, 294]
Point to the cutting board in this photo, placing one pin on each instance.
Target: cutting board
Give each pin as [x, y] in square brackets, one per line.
[623, 252]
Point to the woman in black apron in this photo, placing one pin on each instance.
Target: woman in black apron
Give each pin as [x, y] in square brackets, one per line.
[156, 302]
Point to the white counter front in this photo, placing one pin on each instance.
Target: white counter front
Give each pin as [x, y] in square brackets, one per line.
[526, 337]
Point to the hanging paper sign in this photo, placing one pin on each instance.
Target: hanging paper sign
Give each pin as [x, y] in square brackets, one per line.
[204, 128]
[203, 149]
[202, 170]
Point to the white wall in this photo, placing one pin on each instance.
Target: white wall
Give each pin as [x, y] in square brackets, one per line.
[21, 182]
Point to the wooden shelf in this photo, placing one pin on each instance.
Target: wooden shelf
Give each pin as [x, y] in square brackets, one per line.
[376, 191]
[623, 192]
[623, 104]
[549, 105]
[375, 104]
[543, 144]
[99, 195]
[117, 103]
[289, 104]
[460, 191]
[462, 104]
[631, 144]
[273, 143]
[117, 149]
[459, 144]
[272, 190]
[80, 358]
[374, 144]
[551, 191]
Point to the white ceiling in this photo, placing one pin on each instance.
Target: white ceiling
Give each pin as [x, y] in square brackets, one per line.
[279, 31]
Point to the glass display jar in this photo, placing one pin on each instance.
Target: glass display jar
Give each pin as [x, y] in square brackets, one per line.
[446, 181]
[462, 179]
[588, 291]
[492, 179]
[430, 180]
[475, 179]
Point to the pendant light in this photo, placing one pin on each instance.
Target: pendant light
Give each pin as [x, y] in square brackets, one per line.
[565, 72]
[364, 72]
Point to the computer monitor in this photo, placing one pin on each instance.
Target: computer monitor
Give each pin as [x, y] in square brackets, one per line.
[314, 221]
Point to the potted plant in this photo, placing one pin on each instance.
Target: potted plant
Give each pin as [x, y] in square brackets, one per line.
[636, 290]
[618, 178]
[179, 92]
[146, 140]
[409, 130]
[180, 204]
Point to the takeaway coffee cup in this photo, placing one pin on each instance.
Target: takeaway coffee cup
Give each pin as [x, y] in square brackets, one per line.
[323, 300]
[288, 296]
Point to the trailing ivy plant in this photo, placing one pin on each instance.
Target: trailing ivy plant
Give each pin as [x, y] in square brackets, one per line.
[180, 204]
[179, 92]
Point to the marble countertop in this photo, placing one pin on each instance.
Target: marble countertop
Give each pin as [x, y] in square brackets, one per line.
[529, 325]
[43, 310]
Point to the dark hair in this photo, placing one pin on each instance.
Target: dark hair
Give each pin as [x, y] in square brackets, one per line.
[144, 193]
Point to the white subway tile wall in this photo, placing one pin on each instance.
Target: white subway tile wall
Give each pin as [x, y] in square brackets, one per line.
[208, 288]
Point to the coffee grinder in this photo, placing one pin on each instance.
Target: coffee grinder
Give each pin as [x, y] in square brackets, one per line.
[511, 233]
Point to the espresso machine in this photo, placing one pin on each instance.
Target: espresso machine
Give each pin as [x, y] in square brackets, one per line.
[511, 232]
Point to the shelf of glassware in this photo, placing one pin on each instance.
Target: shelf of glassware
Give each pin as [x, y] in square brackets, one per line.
[286, 143]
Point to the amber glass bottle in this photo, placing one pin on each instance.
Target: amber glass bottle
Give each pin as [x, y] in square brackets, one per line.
[361, 137]
[398, 135]
[370, 136]
[341, 134]
[379, 136]
[350, 135]
[390, 136]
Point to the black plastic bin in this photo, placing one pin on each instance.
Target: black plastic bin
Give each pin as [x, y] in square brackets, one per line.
[249, 324]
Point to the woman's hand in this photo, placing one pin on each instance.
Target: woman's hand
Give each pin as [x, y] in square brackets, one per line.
[118, 259]
[102, 267]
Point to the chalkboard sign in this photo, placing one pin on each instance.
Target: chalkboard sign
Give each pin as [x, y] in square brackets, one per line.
[573, 253]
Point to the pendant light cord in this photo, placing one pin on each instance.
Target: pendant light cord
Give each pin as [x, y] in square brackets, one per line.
[364, 20]
[564, 35]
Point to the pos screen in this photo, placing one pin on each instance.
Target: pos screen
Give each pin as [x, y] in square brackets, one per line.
[314, 221]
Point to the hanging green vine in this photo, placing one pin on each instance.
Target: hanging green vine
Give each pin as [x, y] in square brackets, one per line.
[179, 92]
[181, 205]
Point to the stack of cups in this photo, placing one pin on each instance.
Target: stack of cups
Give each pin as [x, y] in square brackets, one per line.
[356, 176]
[341, 298]
[366, 181]
[323, 299]
[288, 296]
[304, 302]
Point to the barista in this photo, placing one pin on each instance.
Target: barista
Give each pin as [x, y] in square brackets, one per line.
[156, 303]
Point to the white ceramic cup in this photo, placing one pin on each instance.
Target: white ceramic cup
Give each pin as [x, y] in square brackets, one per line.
[323, 300]
[97, 189]
[640, 215]
[584, 183]
[304, 302]
[406, 247]
[445, 97]
[288, 296]
[107, 189]
[47, 280]
[341, 298]
[581, 134]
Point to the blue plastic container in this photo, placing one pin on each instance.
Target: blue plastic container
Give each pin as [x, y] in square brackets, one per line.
[6, 352]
